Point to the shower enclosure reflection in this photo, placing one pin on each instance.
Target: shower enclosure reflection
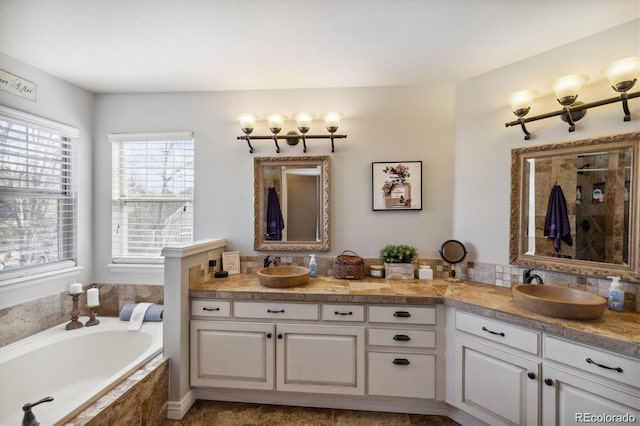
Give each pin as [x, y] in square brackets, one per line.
[575, 206]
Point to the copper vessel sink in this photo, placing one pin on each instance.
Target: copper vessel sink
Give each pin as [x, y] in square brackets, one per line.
[559, 302]
[283, 276]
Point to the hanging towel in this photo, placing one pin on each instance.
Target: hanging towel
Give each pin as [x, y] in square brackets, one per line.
[154, 313]
[556, 224]
[275, 222]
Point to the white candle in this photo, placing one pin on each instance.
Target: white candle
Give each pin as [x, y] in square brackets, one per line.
[75, 288]
[93, 297]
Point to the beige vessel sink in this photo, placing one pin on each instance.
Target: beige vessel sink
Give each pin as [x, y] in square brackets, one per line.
[283, 276]
[559, 302]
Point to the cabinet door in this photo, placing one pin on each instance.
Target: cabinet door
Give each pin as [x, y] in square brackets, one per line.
[320, 358]
[496, 386]
[568, 399]
[232, 354]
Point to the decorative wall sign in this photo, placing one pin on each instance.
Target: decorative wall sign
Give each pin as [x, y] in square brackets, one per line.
[18, 86]
[231, 262]
[397, 185]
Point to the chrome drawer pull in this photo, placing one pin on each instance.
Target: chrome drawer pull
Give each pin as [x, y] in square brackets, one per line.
[210, 309]
[618, 369]
[401, 338]
[281, 311]
[343, 313]
[401, 361]
[401, 314]
[493, 332]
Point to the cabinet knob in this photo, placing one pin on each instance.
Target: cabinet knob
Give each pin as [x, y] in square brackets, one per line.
[548, 382]
[279, 336]
[531, 375]
[268, 335]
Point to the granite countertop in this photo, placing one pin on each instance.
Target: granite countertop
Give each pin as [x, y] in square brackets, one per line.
[617, 331]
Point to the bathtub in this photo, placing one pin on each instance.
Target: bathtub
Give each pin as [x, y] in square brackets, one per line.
[75, 367]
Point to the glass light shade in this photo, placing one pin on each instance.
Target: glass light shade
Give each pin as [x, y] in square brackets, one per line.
[304, 119]
[275, 121]
[247, 121]
[332, 120]
[622, 73]
[566, 88]
[521, 101]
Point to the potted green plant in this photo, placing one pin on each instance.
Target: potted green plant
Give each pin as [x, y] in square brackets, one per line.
[399, 261]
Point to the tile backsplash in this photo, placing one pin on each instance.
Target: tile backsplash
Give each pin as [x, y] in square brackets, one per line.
[20, 321]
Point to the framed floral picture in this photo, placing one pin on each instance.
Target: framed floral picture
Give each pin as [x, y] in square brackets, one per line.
[397, 185]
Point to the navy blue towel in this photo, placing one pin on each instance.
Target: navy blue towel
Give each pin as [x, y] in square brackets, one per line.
[275, 222]
[556, 224]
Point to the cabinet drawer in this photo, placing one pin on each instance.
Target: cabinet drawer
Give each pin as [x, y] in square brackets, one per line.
[398, 374]
[595, 361]
[402, 338]
[398, 314]
[336, 312]
[210, 308]
[276, 310]
[498, 331]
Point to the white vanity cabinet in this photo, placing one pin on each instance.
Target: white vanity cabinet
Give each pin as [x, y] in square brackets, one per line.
[581, 381]
[401, 351]
[493, 380]
[275, 346]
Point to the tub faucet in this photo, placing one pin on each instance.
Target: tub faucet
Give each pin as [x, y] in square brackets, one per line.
[268, 261]
[528, 277]
[29, 418]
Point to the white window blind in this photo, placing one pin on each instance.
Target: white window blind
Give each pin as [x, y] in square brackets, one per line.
[152, 194]
[38, 208]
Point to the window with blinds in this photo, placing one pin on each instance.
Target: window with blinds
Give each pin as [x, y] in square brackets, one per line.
[38, 207]
[152, 194]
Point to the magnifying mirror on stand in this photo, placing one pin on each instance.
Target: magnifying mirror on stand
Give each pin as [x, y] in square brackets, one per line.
[452, 252]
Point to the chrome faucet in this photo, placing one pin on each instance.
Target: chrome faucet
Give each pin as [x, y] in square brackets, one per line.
[268, 261]
[528, 277]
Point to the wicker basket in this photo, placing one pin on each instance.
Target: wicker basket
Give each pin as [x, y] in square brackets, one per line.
[348, 267]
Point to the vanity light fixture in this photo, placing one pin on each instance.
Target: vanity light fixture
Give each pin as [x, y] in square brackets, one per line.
[303, 121]
[622, 76]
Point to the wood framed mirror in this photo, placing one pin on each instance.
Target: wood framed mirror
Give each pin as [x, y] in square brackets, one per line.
[291, 203]
[593, 228]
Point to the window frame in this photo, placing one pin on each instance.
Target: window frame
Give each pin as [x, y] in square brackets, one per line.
[67, 230]
[118, 139]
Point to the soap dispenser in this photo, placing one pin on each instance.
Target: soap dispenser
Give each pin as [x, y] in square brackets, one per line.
[616, 295]
[313, 265]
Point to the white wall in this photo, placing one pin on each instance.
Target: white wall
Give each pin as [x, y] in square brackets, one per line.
[483, 144]
[63, 102]
[382, 124]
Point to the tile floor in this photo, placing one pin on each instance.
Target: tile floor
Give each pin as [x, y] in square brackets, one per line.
[205, 413]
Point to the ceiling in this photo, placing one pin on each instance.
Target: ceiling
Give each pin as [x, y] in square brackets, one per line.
[197, 45]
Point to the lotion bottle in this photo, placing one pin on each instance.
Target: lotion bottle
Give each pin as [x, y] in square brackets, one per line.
[313, 266]
[616, 295]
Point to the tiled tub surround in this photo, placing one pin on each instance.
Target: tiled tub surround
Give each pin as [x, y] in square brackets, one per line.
[486, 273]
[141, 399]
[20, 321]
[617, 331]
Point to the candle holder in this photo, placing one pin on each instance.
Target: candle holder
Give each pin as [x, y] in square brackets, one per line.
[92, 316]
[75, 312]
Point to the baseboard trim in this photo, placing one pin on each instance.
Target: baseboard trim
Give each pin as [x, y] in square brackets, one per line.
[463, 417]
[346, 402]
[177, 409]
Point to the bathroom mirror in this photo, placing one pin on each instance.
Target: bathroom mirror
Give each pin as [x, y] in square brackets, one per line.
[291, 203]
[452, 252]
[574, 207]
